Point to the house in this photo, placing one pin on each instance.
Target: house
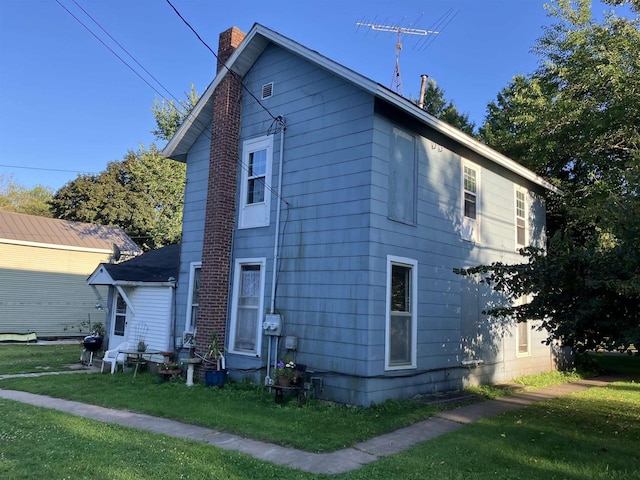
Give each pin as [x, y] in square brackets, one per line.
[140, 298]
[324, 215]
[44, 263]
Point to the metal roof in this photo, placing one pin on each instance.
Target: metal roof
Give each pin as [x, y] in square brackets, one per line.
[259, 37]
[22, 229]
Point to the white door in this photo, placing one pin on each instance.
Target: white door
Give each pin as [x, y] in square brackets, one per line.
[118, 321]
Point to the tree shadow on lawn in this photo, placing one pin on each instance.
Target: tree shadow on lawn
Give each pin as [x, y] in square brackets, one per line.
[574, 437]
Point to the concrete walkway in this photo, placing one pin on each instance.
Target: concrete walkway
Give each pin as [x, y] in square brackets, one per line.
[325, 463]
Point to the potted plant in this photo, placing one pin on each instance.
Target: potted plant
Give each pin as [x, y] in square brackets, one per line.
[168, 369]
[286, 373]
[213, 362]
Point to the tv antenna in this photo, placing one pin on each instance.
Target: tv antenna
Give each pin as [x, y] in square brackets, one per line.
[396, 81]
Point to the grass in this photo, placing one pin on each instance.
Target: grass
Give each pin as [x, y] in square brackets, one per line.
[239, 408]
[593, 434]
[33, 358]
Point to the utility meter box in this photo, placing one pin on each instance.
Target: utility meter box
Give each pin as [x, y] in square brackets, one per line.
[272, 324]
[291, 342]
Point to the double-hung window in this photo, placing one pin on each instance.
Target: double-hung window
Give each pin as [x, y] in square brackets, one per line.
[257, 155]
[470, 230]
[401, 313]
[523, 332]
[521, 217]
[193, 296]
[247, 306]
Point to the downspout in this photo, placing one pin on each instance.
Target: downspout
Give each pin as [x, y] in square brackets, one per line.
[276, 245]
[279, 207]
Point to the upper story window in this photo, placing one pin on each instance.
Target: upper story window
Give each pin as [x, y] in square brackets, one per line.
[521, 217]
[402, 177]
[470, 192]
[470, 229]
[257, 155]
[256, 176]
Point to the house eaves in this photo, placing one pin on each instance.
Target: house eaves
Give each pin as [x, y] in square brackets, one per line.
[255, 42]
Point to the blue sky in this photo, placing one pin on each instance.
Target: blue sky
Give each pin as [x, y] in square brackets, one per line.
[69, 104]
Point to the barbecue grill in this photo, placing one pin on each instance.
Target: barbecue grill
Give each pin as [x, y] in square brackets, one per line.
[91, 344]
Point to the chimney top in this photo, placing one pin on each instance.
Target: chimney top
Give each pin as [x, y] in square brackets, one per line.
[227, 44]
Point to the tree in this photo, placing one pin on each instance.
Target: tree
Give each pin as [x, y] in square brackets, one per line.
[436, 105]
[19, 199]
[577, 120]
[170, 116]
[143, 194]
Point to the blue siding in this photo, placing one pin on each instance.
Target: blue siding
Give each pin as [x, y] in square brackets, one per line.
[195, 199]
[336, 236]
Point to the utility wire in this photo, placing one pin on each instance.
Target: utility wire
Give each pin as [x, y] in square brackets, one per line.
[46, 169]
[125, 50]
[276, 120]
[235, 75]
[109, 48]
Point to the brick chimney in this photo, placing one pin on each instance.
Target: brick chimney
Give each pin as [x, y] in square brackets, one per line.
[221, 197]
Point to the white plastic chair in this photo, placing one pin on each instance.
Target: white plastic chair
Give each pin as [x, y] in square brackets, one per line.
[115, 357]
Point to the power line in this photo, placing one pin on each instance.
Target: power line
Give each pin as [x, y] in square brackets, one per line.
[47, 169]
[124, 49]
[109, 48]
[273, 117]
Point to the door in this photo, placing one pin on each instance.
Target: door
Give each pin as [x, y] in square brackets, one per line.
[119, 321]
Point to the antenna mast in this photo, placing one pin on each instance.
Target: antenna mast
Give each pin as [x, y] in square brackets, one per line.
[396, 81]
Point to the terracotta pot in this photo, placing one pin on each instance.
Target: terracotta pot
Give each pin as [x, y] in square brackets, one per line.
[284, 381]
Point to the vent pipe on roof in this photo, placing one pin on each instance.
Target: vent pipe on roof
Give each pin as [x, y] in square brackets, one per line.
[423, 89]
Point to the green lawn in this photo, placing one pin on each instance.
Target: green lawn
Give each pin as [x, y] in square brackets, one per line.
[594, 434]
[591, 435]
[33, 358]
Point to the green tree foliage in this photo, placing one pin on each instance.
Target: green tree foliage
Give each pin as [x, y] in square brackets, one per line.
[577, 121]
[16, 198]
[169, 115]
[143, 194]
[436, 105]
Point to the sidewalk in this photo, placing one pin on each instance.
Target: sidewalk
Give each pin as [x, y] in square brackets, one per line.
[320, 463]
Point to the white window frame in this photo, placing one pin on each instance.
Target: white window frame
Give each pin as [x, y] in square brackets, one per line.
[520, 190]
[239, 263]
[470, 228]
[258, 214]
[190, 325]
[528, 352]
[413, 264]
[521, 301]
